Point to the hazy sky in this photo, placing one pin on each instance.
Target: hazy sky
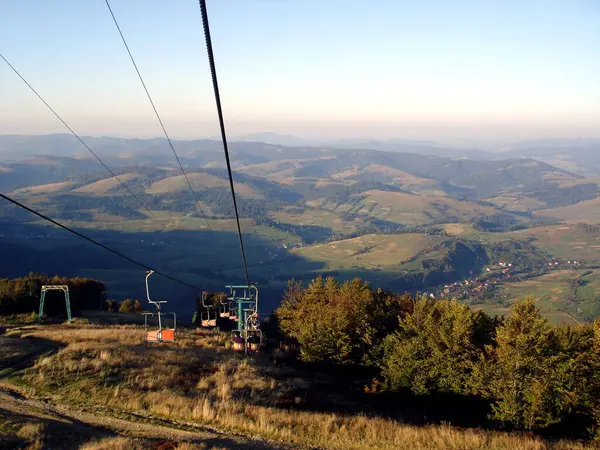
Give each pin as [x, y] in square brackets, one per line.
[315, 68]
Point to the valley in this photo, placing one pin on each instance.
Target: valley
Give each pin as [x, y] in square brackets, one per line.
[403, 221]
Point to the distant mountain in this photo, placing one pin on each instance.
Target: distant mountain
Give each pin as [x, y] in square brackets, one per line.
[581, 156]
[42, 170]
[274, 138]
[418, 147]
[417, 170]
[14, 147]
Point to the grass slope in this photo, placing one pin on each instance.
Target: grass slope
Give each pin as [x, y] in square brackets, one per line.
[198, 382]
[587, 211]
[102, 187]
[560, 241]
[198, 181]
[370, 251]
[413, 209]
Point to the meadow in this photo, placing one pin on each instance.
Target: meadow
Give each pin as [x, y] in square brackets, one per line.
[197, 383]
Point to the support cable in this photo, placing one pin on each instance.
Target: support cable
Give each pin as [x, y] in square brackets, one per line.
[77, 233]
[157, 115]
[213, 72]
[77, 136]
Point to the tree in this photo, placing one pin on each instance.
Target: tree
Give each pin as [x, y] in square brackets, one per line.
[537, 374]
[127, 306]
[434, 349]
[341, 323]
[137, 306]
[112, 305]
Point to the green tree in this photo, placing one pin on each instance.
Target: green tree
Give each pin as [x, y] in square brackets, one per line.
[434, 349]
[342, 323]
[137, 306]
[536, 374]
[127, 306]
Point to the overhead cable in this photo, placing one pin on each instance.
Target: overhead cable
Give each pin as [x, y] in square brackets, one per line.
[157, 114]
[213, 73]
[76, 135]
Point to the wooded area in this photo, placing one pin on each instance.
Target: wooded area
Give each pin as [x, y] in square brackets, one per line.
[22, 295]
[530, 374]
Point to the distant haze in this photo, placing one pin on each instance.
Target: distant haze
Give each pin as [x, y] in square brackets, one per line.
[461, 73]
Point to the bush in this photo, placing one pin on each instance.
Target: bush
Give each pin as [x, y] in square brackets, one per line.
[127, 306]
[534, 376]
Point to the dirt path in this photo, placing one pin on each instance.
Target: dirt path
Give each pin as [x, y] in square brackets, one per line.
[92, 425]
[68, 427]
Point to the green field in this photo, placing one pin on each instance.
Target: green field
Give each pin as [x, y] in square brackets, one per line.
[514, 202]
[370, 251]
[554, 317]
[317, 217]
[572, 291]
[410, 209]
[587, 211]
[567, 242]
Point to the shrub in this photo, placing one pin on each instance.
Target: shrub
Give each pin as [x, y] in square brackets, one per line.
[127, 306]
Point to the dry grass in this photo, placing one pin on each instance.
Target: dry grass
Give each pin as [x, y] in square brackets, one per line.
[102, 187]
[198, 381]
[122, 443]
[31, 431]
[199, 181]
[118, 443]
[370, 251]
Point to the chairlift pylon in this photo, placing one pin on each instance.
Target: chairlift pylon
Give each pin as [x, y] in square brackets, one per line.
[244, 301]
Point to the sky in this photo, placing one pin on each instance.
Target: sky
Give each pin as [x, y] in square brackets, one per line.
[478, 70]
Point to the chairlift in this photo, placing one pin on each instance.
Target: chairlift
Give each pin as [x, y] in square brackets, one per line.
[163, 334]
[248, 336]
[208, 315]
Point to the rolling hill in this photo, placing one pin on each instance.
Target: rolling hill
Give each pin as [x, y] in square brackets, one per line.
[401, 220]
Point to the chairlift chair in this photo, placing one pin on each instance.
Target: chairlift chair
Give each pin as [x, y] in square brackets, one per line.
[224, 309]
[208, 316]
[254, 336]
[254, 341]
[162, 334]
